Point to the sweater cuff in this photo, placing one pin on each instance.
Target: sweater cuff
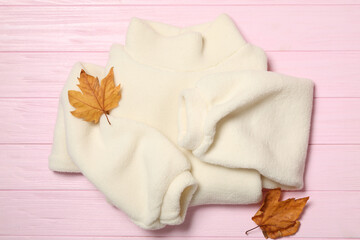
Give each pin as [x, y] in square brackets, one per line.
[62, 164]
[177, 199]
[196, 132]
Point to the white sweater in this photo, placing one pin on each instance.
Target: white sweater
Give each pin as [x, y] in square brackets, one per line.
[136, 163]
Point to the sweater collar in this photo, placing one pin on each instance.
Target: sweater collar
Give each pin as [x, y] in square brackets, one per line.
[184, 49]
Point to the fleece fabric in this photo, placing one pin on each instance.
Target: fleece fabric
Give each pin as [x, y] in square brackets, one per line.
[250, 119]
[136, 167]
[136, 162]
[156, 64]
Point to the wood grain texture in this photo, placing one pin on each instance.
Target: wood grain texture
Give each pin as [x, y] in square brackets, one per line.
[86, 213]
[95, 28]
[335, 74]
[177, 2]
[32, 120]
[336, 121]
[24, 167]
[42, 74]
[41, 39]
[139, 238]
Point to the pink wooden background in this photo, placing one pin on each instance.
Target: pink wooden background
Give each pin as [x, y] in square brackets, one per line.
[39, 42]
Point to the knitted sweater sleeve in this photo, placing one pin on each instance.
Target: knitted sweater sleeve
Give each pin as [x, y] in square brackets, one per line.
[137, 168]
[250, 119]
[59, 159]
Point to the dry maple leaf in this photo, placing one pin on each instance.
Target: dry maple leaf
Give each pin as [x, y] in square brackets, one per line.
[94, 99]
[279, 219]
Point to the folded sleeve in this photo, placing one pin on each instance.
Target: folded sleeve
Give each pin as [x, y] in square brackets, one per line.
[250, 119]
[59, 159]
[136, 167]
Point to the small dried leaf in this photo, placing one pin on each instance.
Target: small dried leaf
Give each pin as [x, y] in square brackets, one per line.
[94, 100]
[279, 218]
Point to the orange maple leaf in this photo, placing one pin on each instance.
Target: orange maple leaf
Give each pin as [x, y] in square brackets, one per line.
[279, 218]
[94, 99]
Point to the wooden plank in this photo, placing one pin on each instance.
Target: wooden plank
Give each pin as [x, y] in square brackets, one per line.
[34, 74]
[24, 167]
[86, 213]
[27, 120]
[177, 2]
[336, 121]
[332, 167]
[32, 120]
[42, 74]
[335, 74]
[32, 237]
[116, 238]
[95, 28]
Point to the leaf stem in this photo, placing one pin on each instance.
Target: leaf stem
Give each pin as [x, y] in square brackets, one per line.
[107, 118]
[251, 229]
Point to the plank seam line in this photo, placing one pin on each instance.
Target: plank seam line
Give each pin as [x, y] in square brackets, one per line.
[95, 190]
[106, 51]
[181, 5]
[29, 143]
[165, 237]
[50, 143]
[54, 51]
[64, 82]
